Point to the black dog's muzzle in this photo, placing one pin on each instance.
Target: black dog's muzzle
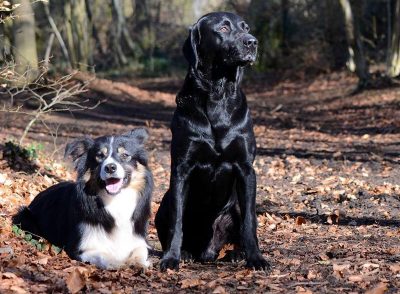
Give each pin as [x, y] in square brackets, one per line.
[250, 42]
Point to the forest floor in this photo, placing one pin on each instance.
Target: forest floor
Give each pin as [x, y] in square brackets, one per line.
[328, 190]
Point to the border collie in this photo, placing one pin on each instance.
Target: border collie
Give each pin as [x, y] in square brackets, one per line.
[102, 217]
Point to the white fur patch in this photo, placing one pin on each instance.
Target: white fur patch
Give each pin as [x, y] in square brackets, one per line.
[121, 246]
[119, 173]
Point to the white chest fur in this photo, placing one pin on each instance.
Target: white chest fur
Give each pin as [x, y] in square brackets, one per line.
[120, 246]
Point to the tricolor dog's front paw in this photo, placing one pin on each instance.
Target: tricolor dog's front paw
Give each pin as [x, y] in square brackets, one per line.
[101, 260]
[139, 257]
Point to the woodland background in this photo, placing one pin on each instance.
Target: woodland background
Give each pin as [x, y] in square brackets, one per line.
[324, 95]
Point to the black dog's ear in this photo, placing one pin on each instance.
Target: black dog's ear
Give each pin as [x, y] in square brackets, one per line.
[139, 134]
[190, 50]
[78, 150]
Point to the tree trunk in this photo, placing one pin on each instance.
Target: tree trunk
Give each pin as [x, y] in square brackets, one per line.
[357, 61]
[78, 32]
[393, 66]
[24, 43]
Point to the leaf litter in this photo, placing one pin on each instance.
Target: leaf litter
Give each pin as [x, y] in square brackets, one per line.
[328, 189]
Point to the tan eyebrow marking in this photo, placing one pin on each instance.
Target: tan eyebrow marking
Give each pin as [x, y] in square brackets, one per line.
[104, 150]
[121, 150]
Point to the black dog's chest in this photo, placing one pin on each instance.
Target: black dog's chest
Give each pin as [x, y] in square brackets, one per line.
[230, 148]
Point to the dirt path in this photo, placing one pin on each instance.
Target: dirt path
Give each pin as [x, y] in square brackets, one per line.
[328, 190]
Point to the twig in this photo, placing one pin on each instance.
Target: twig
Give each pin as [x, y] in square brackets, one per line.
[48, 50]
[308, 283]
[57, 32]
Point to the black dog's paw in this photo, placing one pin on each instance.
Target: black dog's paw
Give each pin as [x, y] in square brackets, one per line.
[169, 263]
[186, 256]
[258, 263]
[208, 256]
[234, 255]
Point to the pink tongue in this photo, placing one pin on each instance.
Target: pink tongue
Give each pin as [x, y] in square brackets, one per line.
[113, 185]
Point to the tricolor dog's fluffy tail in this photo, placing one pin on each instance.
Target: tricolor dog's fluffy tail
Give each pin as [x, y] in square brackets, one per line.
[26, 220]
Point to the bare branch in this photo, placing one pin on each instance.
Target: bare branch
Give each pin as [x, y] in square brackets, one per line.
[47, 95]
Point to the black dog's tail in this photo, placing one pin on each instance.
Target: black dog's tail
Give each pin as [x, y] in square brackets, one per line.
[26, 221]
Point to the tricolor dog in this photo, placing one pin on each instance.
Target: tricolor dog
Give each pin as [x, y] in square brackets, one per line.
[102, 217]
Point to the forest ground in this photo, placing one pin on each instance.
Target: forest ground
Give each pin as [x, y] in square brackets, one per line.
[328, 190]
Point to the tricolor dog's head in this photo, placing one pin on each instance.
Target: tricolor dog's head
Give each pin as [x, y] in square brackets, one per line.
[110, 163]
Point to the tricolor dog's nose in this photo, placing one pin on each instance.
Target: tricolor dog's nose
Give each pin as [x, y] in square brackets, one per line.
[250, 42]
[110, 168]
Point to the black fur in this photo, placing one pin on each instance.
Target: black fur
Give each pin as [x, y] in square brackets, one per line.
[56, 213]
[212, 193]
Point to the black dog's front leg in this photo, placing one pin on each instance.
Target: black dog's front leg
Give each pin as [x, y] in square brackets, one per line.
[246, 190]
[178, 186]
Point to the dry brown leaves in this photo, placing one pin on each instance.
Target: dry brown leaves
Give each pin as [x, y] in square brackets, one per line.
[327, 198]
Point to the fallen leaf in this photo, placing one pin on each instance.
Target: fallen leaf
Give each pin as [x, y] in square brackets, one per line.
[219, 290]
[190, 283]
[76, 280]
[379, 289]
[43, 261]
[355, 278]
[19, 290]
[395, 267]
[223, 251]
[300, 220]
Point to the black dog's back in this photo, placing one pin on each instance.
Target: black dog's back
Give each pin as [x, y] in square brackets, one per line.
[48, 214]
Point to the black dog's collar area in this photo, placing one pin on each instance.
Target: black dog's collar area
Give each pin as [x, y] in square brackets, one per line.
[182, 101]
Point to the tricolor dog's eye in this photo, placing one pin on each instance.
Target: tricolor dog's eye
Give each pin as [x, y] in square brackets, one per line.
[125, 157]
[224, 29]
[100, 156]
[123, 154]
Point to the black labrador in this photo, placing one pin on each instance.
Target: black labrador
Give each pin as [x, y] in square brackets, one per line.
[212, 193]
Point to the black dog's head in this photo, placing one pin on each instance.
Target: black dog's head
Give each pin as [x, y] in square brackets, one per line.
[220, 37]
[108, 164]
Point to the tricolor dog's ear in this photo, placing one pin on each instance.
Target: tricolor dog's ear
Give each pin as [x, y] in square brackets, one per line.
[78, 151]
[140, 135]
[190, 47]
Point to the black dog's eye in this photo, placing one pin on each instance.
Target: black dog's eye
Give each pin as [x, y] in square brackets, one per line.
[244, 26]
[224, 29]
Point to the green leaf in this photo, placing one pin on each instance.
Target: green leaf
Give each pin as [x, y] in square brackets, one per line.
[56, 249]
[16, 230]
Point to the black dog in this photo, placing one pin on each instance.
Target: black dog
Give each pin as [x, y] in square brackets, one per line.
[212, 193]
[102, 217]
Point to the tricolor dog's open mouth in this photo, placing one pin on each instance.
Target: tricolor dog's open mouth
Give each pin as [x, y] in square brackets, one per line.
[113, 185]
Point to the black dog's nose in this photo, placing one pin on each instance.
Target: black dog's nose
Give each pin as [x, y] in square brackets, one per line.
[250, 42]
[110, 168]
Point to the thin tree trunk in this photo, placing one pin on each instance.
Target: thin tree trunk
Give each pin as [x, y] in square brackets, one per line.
[285, 24]
[393, 67]
[24, 43]
[357, 61]
[119, 23]
[95, 33]
[78, 31]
